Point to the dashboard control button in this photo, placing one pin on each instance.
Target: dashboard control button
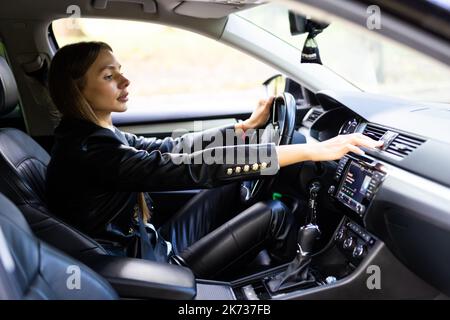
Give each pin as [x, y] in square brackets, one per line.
[359, 251]
[360, 209]
[331, 190]
[349, 243]
[330, 279]
[340, 235]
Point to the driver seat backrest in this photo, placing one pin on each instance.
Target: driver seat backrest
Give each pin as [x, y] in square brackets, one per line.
[23, 167]
[34, 270]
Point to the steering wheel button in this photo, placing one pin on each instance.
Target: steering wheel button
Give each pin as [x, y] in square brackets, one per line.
[238, 169]
[255, 166]
[229, 171]
[246, 168]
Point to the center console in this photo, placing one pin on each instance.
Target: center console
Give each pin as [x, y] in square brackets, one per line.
[348, 248]
[355, 184]
[354, 264]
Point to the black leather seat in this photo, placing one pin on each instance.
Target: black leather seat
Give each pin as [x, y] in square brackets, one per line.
[35, 270]
[23, 165]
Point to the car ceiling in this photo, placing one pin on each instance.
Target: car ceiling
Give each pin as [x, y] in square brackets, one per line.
[45, 9]
[199, 16]
[430, 36]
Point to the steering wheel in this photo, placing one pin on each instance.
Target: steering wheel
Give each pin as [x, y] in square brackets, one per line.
[279, 130]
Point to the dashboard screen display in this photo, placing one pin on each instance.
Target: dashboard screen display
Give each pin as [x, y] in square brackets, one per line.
[354, 186]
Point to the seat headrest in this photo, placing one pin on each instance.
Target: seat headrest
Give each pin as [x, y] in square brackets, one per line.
[9, 95]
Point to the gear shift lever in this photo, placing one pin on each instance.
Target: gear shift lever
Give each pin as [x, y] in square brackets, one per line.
[308, 234]
[312, 203]
[297, 272]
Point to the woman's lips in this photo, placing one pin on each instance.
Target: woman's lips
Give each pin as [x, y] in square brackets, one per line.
[123, 98]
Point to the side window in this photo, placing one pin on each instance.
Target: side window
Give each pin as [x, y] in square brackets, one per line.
[173, 68]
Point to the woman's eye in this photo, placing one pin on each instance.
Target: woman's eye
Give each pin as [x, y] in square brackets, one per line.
[108, 77]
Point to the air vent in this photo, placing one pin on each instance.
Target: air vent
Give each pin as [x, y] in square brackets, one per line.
[374, 132]
[314, 115]
[403, 145]
[400, 147]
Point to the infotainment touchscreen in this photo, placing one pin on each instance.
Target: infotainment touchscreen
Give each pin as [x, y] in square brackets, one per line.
[354, 186]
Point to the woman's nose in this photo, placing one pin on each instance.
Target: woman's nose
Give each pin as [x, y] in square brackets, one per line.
[124, 82]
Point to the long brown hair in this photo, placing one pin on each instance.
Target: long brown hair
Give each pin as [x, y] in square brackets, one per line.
[67, 78]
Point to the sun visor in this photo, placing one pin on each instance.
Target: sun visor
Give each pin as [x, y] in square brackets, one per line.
[148, 6]
[213, 9]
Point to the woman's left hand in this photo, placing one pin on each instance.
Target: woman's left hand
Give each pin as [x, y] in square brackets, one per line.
[258, 117]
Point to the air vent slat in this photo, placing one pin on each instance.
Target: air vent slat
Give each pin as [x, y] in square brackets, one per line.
[394, 149]
[371, 134]
[400, 147]
[377, 130]
[409, 141]
[374, 132]
[398, 154]
[410, 146]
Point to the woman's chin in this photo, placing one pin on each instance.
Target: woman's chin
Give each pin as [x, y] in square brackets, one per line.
[122, 107]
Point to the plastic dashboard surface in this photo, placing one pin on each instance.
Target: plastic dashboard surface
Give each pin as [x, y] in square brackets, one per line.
[430, 160]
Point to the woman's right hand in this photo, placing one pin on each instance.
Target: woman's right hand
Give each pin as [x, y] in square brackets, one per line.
[332, 149]
[335, 148]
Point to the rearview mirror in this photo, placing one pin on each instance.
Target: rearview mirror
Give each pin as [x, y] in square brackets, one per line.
[300, 24]
[297, 23]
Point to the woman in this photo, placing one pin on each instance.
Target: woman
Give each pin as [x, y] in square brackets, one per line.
[98, 176]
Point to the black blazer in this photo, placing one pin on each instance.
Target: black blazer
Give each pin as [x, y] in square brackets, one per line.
[95, 173]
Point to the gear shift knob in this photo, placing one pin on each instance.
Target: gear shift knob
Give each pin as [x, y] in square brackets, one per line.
[297, 272]
[307, 236]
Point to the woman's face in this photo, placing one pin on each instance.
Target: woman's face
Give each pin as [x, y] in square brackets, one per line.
[105, 87]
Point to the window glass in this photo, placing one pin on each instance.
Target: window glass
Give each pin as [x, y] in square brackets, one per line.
[170, 67]
[360, 55]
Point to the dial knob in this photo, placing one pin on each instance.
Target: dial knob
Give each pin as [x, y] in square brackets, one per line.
[349, 243]
[340, 235]
[359, 251]
[360, 209]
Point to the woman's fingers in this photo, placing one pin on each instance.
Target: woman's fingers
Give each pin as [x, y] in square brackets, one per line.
[372, 143]
[338, 146]
[363, 141]
[355, 149]
[366, 138]
[354, 142]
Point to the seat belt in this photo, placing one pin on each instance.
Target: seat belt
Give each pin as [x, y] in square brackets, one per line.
[147, 250]
[161, 250]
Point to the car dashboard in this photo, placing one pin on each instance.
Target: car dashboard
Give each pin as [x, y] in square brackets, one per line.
[398, 194]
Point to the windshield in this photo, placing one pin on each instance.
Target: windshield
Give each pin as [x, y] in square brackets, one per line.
[370, 61]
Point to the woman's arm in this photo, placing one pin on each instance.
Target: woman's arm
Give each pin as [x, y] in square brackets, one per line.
[196, 141]
[115, 165]
[186, 143]
[331, 149]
